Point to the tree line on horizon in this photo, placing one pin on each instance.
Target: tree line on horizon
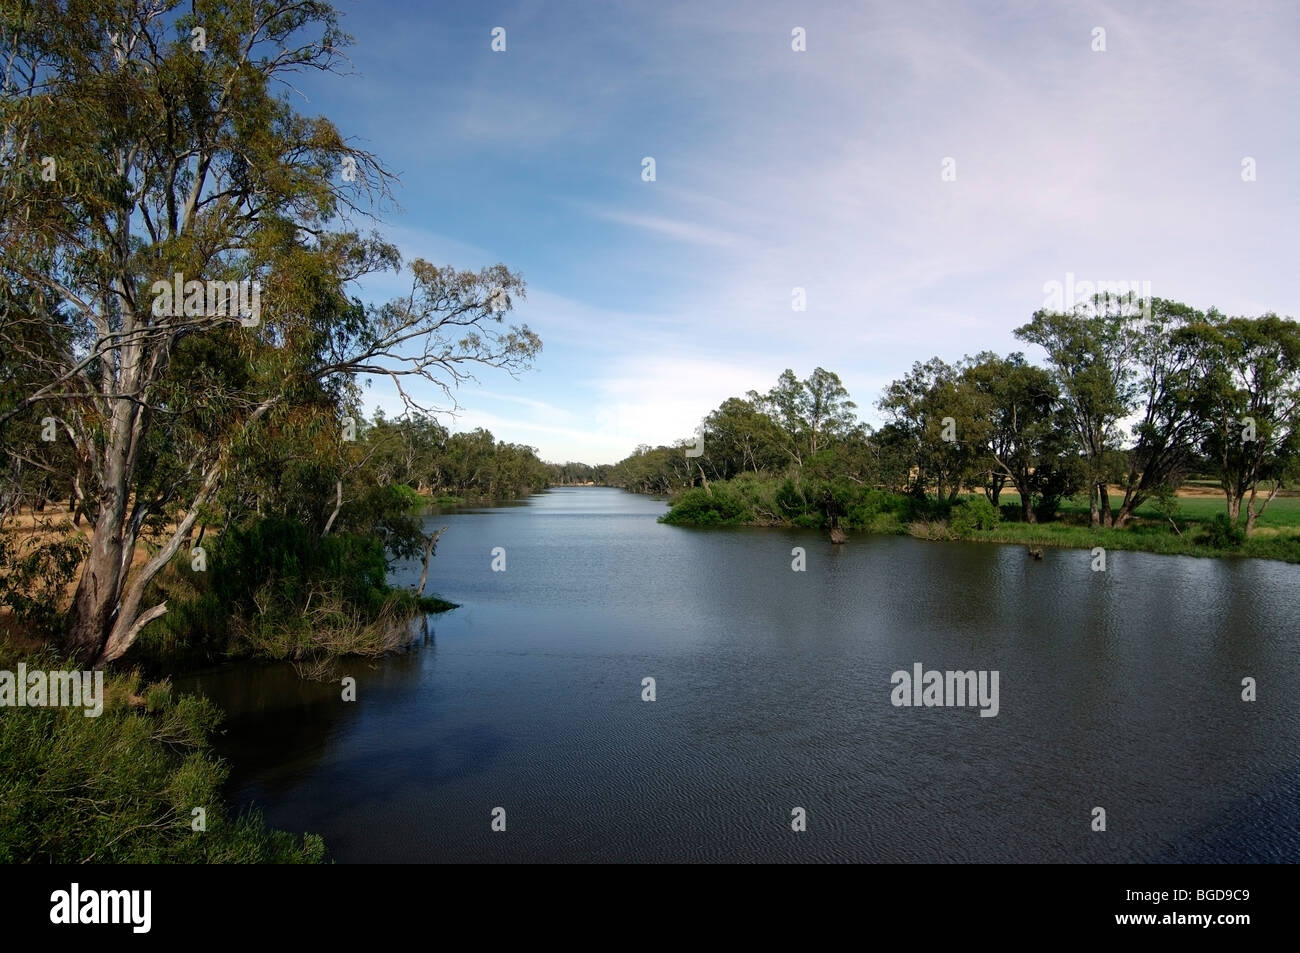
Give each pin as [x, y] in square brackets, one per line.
[1139, 395]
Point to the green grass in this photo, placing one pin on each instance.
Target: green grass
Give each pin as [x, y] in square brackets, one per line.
[1283, 512]
[1143, 537]
[767, 501]
[1277, 535]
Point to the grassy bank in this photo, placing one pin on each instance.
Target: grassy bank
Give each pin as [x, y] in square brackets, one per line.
[1198, 527]
[1143, 536]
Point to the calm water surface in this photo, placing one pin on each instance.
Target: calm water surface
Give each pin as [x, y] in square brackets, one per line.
[1119, 689]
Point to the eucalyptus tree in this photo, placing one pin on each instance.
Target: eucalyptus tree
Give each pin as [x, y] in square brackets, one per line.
[1088, 350]
[1168, 427]
[809, 414]
[1249, 397]
[945, 420]
[153, 166]
[1019, 403]
[781, 404]
[739, 437]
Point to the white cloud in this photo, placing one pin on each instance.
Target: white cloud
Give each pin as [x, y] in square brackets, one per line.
[822, 170]
[677, 229]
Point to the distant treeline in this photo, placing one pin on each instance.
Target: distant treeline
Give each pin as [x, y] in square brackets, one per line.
[1139, 395]
[413, 451]
[571, 474]
[420, 453]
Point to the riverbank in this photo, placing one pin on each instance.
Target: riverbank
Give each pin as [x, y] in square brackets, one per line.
[270, 590]
[1195, 525]
[1140, 536]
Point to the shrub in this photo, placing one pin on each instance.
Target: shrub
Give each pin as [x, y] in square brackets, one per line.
[122, 787]
[973, 513]
[294, 557]
[793, 500]
[872, 507]
[926, 508]
[708, 507]
[277, 589]
[1222, 533]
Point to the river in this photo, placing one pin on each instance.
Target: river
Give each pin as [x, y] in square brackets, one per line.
[773, 690]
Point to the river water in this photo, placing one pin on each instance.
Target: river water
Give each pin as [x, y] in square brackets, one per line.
[1119, 690]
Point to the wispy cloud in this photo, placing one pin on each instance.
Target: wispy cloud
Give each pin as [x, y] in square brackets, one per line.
[693, 233]
[822, 170]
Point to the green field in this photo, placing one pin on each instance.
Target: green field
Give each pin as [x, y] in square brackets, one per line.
[1277, 535]
[1282, 513]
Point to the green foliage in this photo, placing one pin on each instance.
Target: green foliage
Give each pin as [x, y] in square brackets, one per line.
[289, 557]
[275, 589]
[716, 506]
[121, 788]
[386, 514]
[792, 498]
[798, 417]
[1222, 533]
[879, 512]
[973, 514]
[1248, 393]
[569, 474]
[657, 471]
[803, 425]
[753, 499]
[1164, 502]
[34, 574]
[788, 502]
[941, 421]
[419, 453]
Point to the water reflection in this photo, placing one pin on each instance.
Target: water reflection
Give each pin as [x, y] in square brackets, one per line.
[1118, 689]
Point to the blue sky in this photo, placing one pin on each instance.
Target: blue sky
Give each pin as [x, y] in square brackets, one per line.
[820, 169]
